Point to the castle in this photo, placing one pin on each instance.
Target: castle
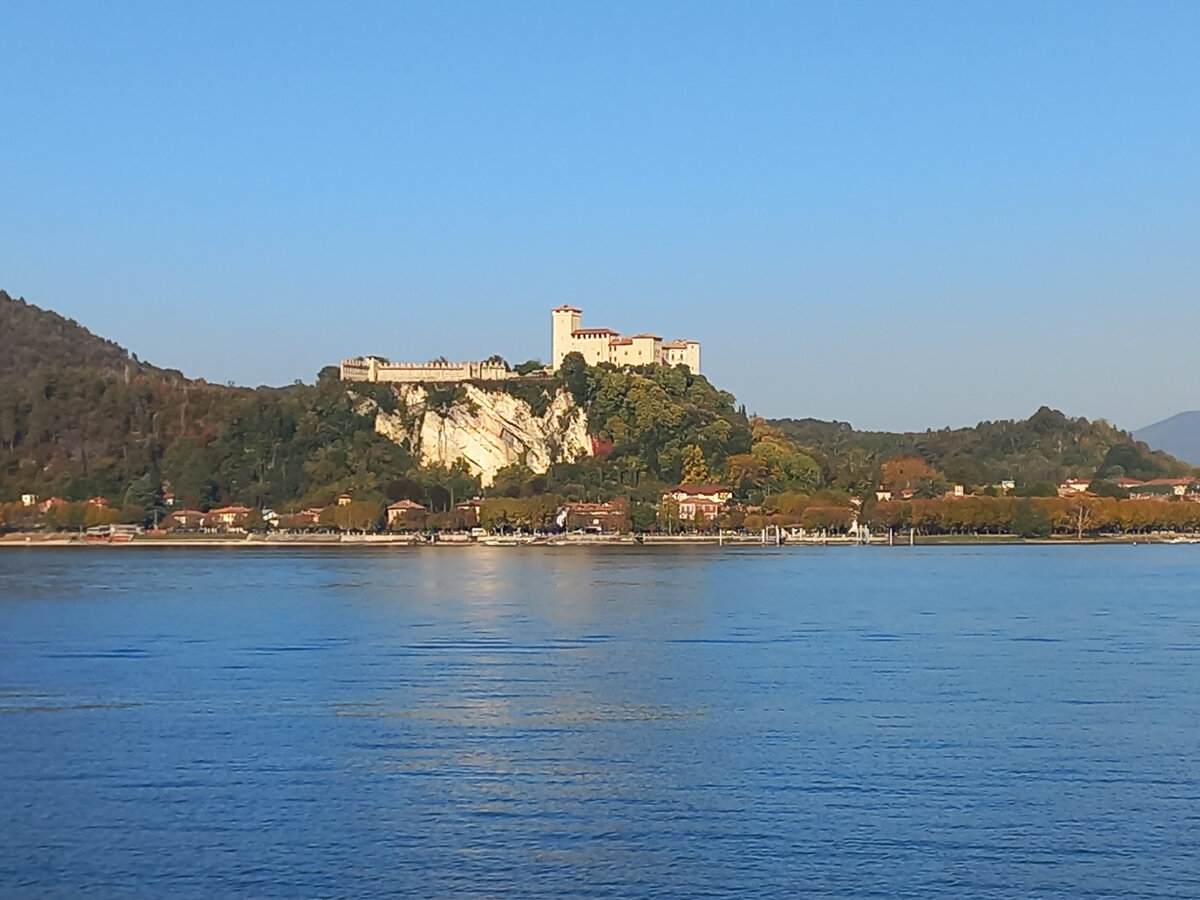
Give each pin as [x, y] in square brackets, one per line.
[374, 368]
[603, 345]
[596, 345]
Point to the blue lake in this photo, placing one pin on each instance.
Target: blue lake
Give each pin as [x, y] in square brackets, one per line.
[512, 722]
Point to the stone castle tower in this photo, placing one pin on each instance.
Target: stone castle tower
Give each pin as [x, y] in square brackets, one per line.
[603, 345]
[565, 322]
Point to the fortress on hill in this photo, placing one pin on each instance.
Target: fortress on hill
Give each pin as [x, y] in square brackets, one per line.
[600, 345]
[596, 345]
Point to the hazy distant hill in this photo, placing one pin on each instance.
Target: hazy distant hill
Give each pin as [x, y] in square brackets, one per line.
[1178, 435]
[35, 337]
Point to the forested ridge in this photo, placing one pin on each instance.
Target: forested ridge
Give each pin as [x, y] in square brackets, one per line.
[80, 417]
[1041, 450]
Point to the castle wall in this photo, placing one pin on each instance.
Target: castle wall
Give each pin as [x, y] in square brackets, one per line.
[372, 369]
[596, 345]
[594, 349]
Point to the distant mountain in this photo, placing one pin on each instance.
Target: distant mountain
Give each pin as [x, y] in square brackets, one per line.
[1178, 435]
[35, 337]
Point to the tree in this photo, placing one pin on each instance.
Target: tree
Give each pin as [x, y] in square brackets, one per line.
[132, 515]
[788, 466]
[668, 515]
[1031, 520]
[826, 518]
[144, 493]
[358, 515]
[906, 472]
[695, 471]
[574, 375]
[886, 514]
[643, 517]
[746, 472]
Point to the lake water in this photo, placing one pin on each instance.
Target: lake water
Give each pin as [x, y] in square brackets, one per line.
[508, 722]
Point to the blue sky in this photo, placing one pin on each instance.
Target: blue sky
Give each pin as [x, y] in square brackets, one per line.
[903, 215]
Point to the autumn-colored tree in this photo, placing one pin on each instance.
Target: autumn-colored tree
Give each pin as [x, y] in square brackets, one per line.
[358, 515]
[97, 516]
[827, 518]
[886, 514]
[906, 472]
[790, 506]
[746, 471]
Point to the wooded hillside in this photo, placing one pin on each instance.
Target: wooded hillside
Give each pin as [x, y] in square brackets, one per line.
[80, 417]
[31, 337]
[1041, 450]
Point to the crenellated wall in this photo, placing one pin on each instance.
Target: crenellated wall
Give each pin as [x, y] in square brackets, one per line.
[371, 368]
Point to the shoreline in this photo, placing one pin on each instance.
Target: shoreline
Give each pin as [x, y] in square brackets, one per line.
[589, 541]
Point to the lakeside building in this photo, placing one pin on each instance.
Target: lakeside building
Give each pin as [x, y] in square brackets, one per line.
[406, 514]
[1185, 488]
[608, 517]
[699, 501]
[184, 520]
[1073, 486]
[603, 345]
[227, 517]
[1164, 489]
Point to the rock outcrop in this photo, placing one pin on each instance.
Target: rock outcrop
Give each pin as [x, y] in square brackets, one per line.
[486, 429]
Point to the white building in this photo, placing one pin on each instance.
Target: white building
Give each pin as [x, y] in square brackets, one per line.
[603, 345]
[597, 345]
[372, 368]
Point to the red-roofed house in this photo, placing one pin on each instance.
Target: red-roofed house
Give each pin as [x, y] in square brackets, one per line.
[227, 517]
[183, 520]
[1073, 486]
[611, 516]
[706, 501]
[1162, 488]
[406, 514]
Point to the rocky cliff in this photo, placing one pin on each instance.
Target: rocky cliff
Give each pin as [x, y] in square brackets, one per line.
[486, 429]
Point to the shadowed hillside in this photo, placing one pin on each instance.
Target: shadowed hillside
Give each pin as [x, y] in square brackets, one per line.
[34, 337]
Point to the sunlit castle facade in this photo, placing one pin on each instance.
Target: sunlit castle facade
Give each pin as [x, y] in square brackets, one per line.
[603, 345]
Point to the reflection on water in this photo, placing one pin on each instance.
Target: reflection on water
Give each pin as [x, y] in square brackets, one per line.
[518, 722]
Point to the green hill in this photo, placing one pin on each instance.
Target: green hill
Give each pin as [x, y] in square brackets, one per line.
[1043, 449]
[80, 417]
[35, 337]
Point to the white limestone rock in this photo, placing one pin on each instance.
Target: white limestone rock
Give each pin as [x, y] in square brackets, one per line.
[488, 430]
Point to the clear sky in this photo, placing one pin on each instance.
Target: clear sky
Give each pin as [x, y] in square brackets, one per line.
[903, 215]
